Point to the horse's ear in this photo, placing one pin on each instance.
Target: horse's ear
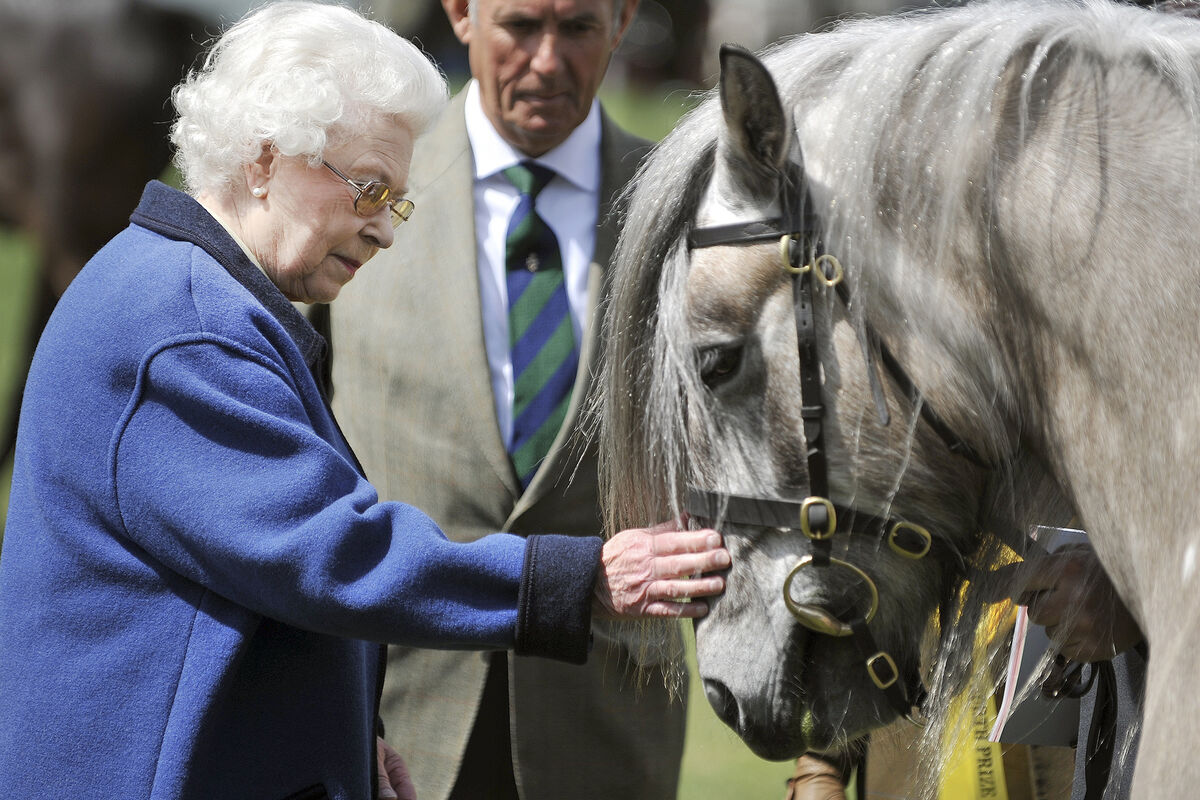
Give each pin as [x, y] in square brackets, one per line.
[758, 129]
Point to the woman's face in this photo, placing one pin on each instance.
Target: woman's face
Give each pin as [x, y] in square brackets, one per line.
[306, 234]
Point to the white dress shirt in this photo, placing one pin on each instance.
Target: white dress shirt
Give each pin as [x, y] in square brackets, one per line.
[569, 205]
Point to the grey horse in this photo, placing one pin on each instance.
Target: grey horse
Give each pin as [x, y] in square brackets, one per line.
[996, 213]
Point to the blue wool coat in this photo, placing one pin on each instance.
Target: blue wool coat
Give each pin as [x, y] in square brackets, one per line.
[195, 574]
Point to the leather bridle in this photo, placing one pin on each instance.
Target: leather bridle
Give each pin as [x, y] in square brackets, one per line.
[818, 518]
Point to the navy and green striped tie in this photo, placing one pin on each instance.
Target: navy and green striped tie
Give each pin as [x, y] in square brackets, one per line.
[540, 334]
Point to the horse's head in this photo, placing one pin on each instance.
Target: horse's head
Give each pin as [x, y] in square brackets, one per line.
[819, 635]
[817, 638]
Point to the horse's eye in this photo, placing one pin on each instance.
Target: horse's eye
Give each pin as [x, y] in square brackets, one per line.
[719, 363]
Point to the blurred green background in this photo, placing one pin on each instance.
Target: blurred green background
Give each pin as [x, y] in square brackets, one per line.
[16, 291]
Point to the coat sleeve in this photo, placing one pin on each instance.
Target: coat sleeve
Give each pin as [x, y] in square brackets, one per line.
[221, 477]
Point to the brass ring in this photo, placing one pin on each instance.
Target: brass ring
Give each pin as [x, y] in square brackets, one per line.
[819, 271]
[922, 534]
[785, 255]
[818, 619]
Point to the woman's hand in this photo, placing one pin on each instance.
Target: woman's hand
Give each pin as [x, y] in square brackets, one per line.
[394, 783]
[648, 572]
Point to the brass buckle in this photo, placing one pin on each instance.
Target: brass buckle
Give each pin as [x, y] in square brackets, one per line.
[872, 663]
[831, 526]
[922, 533]
[818, 619]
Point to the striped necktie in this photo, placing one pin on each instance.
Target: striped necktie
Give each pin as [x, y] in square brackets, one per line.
[540, 334]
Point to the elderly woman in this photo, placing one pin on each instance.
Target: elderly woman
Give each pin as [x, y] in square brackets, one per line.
[196, 576]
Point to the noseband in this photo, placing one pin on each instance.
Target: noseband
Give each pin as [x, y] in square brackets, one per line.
[818, 518]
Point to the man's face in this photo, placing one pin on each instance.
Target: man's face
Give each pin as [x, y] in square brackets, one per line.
[540, 62]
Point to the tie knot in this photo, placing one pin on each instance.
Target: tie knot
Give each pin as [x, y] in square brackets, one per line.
[529, 177]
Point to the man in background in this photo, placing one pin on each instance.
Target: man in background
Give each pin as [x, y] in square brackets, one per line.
[474, 338]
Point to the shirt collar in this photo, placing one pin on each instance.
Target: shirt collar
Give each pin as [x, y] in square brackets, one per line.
[574, 159]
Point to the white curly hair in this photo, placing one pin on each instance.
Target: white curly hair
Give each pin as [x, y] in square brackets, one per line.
[301, 76]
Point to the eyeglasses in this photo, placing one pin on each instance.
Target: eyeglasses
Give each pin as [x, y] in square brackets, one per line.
[374, 195]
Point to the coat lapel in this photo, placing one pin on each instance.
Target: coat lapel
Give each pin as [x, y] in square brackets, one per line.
[447, 180]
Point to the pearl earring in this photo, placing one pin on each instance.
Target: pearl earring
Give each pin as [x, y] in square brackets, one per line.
[259, 191]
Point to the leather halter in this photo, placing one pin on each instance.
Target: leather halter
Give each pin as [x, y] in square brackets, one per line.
[798, 230]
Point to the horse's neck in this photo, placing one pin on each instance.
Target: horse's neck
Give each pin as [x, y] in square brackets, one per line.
[1104, 251]
[1077, 346]
[1114, 404]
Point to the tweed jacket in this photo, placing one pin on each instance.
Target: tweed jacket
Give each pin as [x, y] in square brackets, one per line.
[411, 387]
[195, 573]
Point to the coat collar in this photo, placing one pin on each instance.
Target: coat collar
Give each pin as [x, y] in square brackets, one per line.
[175, 215]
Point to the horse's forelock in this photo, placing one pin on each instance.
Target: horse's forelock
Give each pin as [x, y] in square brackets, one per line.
[646, 361]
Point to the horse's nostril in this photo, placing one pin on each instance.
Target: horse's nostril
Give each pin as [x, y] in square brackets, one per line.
[722, 701]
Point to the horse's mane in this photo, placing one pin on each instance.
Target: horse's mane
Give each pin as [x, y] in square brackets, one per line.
[906, 122]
